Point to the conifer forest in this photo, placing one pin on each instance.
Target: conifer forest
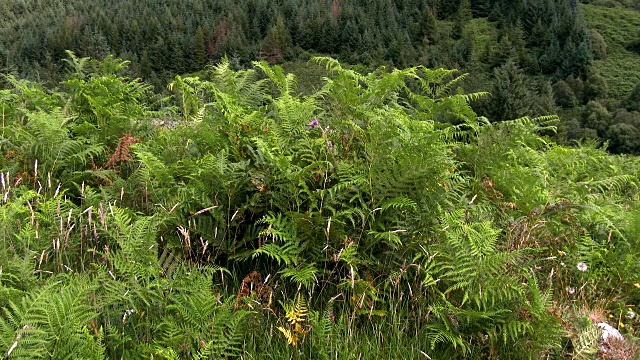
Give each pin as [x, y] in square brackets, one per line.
[320, 179]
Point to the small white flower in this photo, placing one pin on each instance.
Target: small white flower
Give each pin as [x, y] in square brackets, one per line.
[631, 315]
[570, 290]
[127, 313]
[582, 266]
[563, 264]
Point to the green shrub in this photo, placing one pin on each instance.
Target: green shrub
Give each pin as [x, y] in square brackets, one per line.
[248, 220]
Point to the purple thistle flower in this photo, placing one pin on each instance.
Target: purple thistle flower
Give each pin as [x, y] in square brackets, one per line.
[313, 123]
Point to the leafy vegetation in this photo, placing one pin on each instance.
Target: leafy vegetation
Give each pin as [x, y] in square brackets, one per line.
[178, 199]
[376, 216]
[619, 29]
[535, 57]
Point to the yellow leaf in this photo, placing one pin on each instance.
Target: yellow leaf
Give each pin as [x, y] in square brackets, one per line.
[291, 338]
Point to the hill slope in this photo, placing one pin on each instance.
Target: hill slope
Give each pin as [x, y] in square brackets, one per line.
[619, 26]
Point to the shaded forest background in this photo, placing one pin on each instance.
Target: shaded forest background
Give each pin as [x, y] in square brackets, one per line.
[581, 61]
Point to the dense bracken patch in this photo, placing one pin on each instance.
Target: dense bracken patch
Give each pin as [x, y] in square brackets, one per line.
[354, 222]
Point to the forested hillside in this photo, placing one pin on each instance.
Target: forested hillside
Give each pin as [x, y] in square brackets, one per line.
[205, 179]
[535, 57]
[181, 36]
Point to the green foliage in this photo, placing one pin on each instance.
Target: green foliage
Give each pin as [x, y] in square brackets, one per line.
[633, 99]
[599, 45]
[51, 320]
[564, 95]
[388, 219]
[509, 97]
[554, 40]
[106, 102]
[619, 27]
[475, 295]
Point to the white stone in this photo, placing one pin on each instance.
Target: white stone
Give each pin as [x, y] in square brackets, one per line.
[609, 331]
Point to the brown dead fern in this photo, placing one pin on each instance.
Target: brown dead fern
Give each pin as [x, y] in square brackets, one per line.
[122, 154]
[252, 285]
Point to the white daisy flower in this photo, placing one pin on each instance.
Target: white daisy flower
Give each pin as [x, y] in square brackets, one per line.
[582, 266]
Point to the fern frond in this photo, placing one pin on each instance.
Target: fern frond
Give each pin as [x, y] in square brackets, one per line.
[304, 275]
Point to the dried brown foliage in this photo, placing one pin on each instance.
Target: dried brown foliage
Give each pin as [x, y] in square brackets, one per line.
[617, 349]
[122, 154]
[253, 284]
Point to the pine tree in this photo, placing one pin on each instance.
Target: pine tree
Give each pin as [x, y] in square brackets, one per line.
[145, 65]
[543, 101]
[200, 48]
[480, 8]
[93, 44]
[463, 16]
[445, 9]
[277, 43]
[465, 13]
[428, 27]
[509, 94]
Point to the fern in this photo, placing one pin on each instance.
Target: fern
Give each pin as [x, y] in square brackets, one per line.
[50, 321]
[283, 232]
[296, 315]
[47, 138]
[322, 327]
[304, 275]
[585, 344]
[476, 293]
[410, 223]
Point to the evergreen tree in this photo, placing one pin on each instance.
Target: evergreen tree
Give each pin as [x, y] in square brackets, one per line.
[542, 103]
[200, 48]
[480, 8]
[158, 55]
[277, 42]
[145, 65]
[577, 54]
[93, 44]
[539, 34]
[510, 97]
[428, 27]
[463, 17]
[511, 46]
[446, 9]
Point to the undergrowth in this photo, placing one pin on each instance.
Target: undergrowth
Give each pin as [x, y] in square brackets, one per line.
[247, 220]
